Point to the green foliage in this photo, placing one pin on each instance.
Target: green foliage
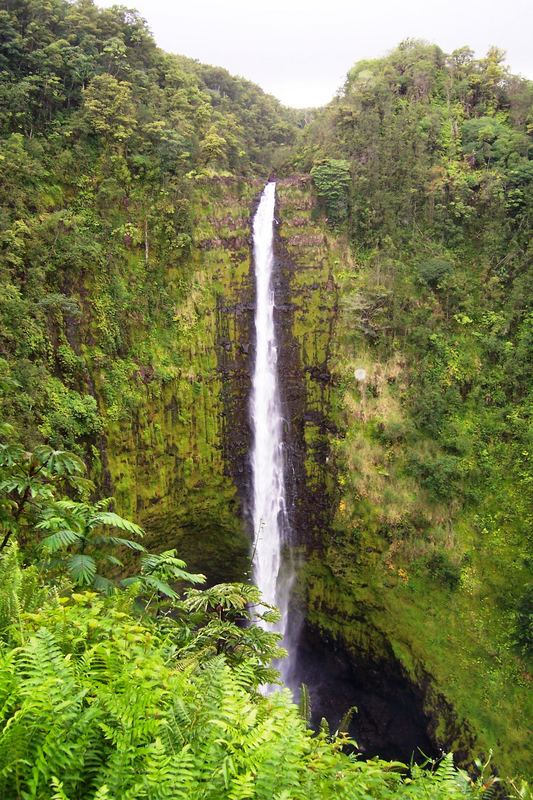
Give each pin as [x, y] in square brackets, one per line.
[102, 140]
[436, 475]
[429, 141]
[433, 450]
[29, 482]
[81, 530]
[63, 533]
[434, 271]
[524, 622]
[490, 141]
[98, 703]
[332, 180]
[109, 108]
[151, 690]
[444, 569]
[159, 571]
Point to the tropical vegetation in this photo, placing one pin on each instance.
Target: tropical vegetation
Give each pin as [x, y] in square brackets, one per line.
[127, 180]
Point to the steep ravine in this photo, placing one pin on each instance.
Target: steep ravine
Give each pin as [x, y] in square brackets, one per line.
[181, 464]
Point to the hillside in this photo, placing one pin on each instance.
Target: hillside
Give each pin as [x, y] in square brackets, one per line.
[423, 165]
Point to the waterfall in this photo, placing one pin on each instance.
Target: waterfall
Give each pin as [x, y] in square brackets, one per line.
[268, 463]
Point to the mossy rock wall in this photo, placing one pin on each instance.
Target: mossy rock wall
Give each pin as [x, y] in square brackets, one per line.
[173, 460]
[306, 255]
[362, 597]
[178, 463]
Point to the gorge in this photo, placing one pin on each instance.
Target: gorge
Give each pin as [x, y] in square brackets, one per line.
[390, 720]
[191, 276]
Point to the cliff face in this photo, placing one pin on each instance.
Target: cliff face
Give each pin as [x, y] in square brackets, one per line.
[307, 311]
[370, 635]
[378, 632]
[422, 649]
[341, 667]
[178, 462]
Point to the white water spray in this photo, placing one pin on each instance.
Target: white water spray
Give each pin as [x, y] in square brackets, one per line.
[268, 463]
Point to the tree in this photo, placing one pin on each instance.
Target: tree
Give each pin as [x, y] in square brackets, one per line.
[109, 109]
[213, 147]
[59, 533]
[332, 180]
[29, 482]
[78, 538]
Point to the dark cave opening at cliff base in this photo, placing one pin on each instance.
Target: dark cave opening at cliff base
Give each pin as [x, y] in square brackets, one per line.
[390, 721]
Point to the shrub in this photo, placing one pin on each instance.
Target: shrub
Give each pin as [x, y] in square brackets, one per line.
[436, 474]
[433, 271]
[443, 569]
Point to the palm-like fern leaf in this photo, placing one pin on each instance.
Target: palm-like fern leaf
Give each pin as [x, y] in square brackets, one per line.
[82, 568]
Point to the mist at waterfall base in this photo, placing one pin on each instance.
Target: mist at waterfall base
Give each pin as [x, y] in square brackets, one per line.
[390, 721]
[269, 509]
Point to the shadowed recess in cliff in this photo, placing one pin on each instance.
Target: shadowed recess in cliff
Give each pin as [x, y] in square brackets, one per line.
[389, 722]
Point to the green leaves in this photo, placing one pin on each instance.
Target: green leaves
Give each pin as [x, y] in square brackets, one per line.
[113, 520]
[58, 462]
[119, 541]
[332, 180]
[78, 537]
[159, 571]
[225, 596]
[82, 569]
[99, 704]
[82, 528]
[59, 540]
[11, 454]
[30, 481]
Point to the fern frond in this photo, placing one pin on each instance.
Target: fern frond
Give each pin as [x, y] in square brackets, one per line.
[304, 704]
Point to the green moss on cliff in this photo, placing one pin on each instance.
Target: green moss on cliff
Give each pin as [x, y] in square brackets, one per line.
[428, 552]
[126, 194]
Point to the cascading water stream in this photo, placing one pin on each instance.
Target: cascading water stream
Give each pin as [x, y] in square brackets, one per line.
[392, 720]
[268, 464]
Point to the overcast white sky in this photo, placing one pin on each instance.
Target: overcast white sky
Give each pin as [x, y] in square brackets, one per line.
[300, 50]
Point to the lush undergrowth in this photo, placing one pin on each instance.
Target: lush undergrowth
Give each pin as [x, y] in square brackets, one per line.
[126, 178]
[98, 702]
[146, 688]
[107, 145]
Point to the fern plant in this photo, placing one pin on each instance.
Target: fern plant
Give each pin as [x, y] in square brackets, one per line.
[159, 575]
[81, 537]
[148, 689]
[98, 703]
[30, 481]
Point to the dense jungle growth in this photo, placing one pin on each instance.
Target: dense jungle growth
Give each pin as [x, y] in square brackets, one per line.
[127, 182]
[424, 164]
